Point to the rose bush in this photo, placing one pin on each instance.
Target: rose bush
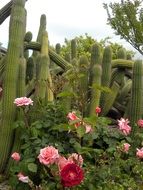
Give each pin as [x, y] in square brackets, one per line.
[108, 157]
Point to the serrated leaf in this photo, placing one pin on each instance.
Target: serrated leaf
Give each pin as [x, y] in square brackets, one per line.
[32, 167]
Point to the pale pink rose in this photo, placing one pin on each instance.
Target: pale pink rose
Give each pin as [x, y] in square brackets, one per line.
[72, 116]
[76, 158]
[48, 155]
[62, 161]
[24, 179]
[140, 123]
[98, 110]
[15, 156]
[1, 89]
[88, 129]
[123, 126]
[139, 153]
[126, 147]
[23, 101]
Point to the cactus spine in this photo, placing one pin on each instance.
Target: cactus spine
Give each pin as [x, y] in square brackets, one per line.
[15, 46]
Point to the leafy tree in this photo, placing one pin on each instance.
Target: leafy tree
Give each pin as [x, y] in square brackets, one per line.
[85, 42]
[126, 18]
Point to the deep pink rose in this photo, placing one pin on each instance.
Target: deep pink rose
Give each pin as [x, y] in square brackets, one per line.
[140, 123]
[76, 158]
[24, 179]
[15, 156]
[98, 110]
[71, 175]
[123, 126]
[23, 101]
[126, 147]
[48, 155]
[139, 153]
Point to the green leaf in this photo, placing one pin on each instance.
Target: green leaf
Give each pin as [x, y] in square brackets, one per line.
[65, 94]
[32, 167]
[80, 131]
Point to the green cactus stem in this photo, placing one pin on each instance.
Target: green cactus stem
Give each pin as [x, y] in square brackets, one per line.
[21, 91]
[57, 59]
[136, 110]
[121, 54]
[83, 83]
[73, 49]
[122, 63]
[106, 72]
[58, 48]
[15, 46]
[110, 98]
[95, 78]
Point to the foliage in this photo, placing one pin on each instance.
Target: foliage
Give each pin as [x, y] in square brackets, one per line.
[106, 166]
[126, 19]
[85, 42]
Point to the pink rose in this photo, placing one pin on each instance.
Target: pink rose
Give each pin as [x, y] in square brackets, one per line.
[62, 161]
[24, 179]
[15, 156]
[76, 158]
[48, 155]
[98, 110]
[140, 123]
[123, 126]
[126, 147]
[71, 116]
[23, 101]
[88, 129]
[139, 153]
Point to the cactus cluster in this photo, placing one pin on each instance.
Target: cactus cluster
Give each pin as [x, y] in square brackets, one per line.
[114, 85]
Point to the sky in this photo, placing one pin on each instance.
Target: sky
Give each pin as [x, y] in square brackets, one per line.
[66, 19]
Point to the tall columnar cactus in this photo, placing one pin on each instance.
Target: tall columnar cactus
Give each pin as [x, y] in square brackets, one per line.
[21, 92]
[121, 54]
[17, 24]
[30, 69]
[136, 110]
[42, 28]
[95, 78]
[45, 85]
[106, 72]
[83, 82]
[58, 48]
[73, 49]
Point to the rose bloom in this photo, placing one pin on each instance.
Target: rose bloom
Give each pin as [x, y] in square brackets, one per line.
[126, 147]
[23, 101]
[24, 179]
[139, 153]
[98, 110]
[71, 175]
[140, 123]
[71, 116]
[123, 126]
[48, 155]
[15, 156]
[76, 158]
[62, 161]
[88, 129]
